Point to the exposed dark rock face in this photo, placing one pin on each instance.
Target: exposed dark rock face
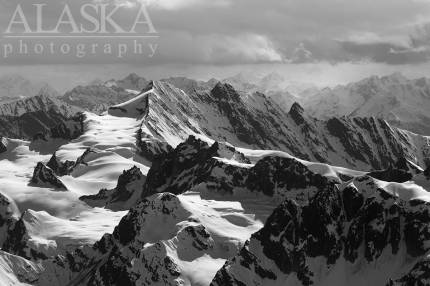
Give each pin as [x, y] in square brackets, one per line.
[41, 125]
[123, 196]
[67, 167]
[151, 148]
[60, 168]
[194, 163]
[84, 157]
[26, 118]
[17, 242]
[167, 173]
[3, 145]
[296, 113]
[360, 221]
[427, 172]
[67, 129]
[364, 136]
[392, 175]
[44, 102]
[45, 176]
[402, 171]
[275, 173]
[342, 130]
[14, 235]
[199, 237]
[246, 126]
[405, 165]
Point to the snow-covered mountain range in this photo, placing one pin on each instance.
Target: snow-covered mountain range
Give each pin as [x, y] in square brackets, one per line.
[402, 102]
[255, 121]
[196, 183]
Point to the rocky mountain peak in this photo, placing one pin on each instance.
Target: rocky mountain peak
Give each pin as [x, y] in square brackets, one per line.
[133, 82]
[132, 76]
[45, 176]
[129, 176]
[297, 108]
[125, 195]
[3, 145]
[225, 92]
[48, 91]
[297, 113]
[151, 84]
[60, 168]
[7, 210]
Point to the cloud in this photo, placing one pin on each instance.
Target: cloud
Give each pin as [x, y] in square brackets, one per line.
[412, 48]
[224, 32]
[301, 55]
[217, 48]
[242, 48]
[183, 4]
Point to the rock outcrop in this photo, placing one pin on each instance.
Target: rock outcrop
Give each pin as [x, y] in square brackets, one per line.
[45, 177]
[358, 222]
[125, 195]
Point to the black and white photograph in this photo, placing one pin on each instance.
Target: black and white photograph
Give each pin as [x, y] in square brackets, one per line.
[214, 143]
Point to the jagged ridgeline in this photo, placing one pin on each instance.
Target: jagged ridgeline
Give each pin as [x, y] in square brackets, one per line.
[183, 182]
[255, 121]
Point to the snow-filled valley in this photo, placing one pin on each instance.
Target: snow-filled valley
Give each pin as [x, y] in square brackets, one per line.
[177, 188]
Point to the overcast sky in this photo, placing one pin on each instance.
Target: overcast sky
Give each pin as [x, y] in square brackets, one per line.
[221, 34]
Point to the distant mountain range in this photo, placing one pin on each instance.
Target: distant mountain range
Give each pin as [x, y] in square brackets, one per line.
[16, 87]
[24, 118]
[401, 101]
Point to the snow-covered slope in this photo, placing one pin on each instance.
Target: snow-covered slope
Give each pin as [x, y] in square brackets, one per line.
[53, 214]
[15, 270]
